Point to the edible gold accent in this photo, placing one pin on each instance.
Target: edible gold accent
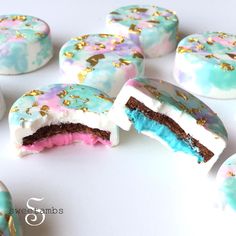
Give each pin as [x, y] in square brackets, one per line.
[201, 121]
[226, 66]
[102, 96]
[14, 109]
[153, 21]
[121, 62]
[104, 35]
[200, 46]
[152, 90]
[231, 55]
[93, 60]
[99, 46]
[210, 56]
[11, 226]
[82, 75]
[3, 19]
[138, 55]
[157, 13]
[83, 37]
[74, 96]
[182, 95]
[35, 104]
[44, 109]
[181, 49]
[69, 54]
[115, 41]
[138, 10]
[34, 93]
[193, 40]
[19, 35]
[230, 173]
[40, 34]
[20, 18]
[62, 93]
[171, 12]
[80, 45]
[84, 109]
[210, 41]
[133, 29]
[66, 102]
[222, 35]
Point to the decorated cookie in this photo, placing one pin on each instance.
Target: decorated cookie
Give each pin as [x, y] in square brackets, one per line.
[205, 64]
[25, 44]
[173, 116]
[2, 105]
[226, 181]
[61, 114]
[9, 223]
[152, 28]
[101, 61]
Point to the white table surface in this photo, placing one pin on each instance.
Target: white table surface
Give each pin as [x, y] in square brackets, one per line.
[138, 188]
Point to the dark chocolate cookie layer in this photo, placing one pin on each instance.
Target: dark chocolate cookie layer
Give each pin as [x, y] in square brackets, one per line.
[49, 131]
[134, 104]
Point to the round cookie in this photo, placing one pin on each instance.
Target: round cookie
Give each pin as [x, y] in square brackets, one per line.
[172, 116]
[60, 114]
[2, 105]
[226, 181]
[9, 222]
[25, 44]
[205, 64]
[102, 61]
[152, 28]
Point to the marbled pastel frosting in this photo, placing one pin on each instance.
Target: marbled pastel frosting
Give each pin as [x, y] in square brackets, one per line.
[226, 181]
[2, 105]
[205, 64]
[60, 104]
[102, 61]
[191, 114]
[25, 44]
[9, 222]
[152, 28]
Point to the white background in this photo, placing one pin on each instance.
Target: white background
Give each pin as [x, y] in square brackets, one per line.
[138, 188]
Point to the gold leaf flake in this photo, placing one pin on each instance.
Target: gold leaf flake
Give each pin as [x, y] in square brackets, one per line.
[11, 226]
[182, 95]
[40, 34]
[193, 40]
[201, 121]
[104, 35]
[226, 66]
[80, 45]
[157, 13]
[95, 59]
[74, 96]
[62, 93]
[231, 55]
[102, 96]
[69, 54]
[138, 55]
[20, 18]
[34, 93]
[181, 49]
[153, 21]
[200, 46]
[210, 56]
[134, 29]
[210, 41]
[230, 173]
[14, 109]
[138, 10]
[66, 102]
[82, 75]
[83, 37]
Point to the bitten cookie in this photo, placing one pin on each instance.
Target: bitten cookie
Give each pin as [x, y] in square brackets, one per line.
[171, 115]
[9, 222]
[61, 114]
[102, 61]
[25, 44]
[152, 28]
[2, 105]
[205, 64]
[226, 181]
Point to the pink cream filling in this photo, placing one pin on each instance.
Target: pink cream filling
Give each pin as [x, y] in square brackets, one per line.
[64, 139]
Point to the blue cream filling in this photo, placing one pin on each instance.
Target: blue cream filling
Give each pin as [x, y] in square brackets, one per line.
[142, 123]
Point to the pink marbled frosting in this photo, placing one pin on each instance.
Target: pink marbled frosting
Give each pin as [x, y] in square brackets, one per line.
[64, 139]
